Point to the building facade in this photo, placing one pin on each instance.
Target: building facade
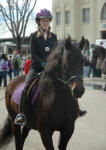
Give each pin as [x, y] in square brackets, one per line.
[79, 18]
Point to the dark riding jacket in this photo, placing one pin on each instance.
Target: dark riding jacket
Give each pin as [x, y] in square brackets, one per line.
[40, 49]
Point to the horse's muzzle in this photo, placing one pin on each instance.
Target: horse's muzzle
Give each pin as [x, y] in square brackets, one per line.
[78, 91]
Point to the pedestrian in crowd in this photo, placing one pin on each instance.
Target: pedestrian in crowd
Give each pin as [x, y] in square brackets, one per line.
[103, 68]
[86, 66]
[16, 63]
[41, 43]
[27, 64]
[10, 67]
[3, 69]
[99, 65]
[23, 64]
[93, 67]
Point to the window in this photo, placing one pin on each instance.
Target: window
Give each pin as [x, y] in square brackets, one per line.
[86, 14]
[103, 13]
[58, 18]
[67, 17]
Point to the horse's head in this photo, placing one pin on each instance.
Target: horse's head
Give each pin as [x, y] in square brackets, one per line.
[73, 66]
[98, 51]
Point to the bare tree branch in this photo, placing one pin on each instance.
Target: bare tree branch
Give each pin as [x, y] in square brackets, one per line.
[28, 18]
[16, 16]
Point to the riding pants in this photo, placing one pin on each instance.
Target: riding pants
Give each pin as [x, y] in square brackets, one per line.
[24, 103]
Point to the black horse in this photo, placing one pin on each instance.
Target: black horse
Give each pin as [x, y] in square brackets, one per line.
[56, 107]
[99, 52]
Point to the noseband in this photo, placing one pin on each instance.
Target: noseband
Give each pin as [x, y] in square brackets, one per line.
[70, 80]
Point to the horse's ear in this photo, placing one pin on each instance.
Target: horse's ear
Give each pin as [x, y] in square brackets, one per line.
[82, 43]
[68, 43]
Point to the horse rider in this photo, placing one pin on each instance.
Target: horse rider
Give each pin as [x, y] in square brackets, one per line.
[41, 43]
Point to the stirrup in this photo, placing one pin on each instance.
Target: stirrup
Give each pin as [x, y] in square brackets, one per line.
[21, 122]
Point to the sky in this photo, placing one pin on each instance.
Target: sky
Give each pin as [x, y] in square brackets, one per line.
[39, 4]
[43, 4]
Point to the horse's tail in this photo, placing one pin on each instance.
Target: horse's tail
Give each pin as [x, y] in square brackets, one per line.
[6, 132]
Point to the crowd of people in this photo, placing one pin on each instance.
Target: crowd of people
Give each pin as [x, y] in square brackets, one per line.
[12, 65]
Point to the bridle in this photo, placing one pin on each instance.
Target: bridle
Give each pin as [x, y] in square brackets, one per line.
[66, 78]
[70, 80]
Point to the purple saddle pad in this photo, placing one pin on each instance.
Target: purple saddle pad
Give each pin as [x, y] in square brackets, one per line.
[18, 92]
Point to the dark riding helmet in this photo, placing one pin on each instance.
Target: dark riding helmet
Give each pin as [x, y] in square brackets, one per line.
[43, 13]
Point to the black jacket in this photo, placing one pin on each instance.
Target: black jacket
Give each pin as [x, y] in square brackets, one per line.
[40, 49]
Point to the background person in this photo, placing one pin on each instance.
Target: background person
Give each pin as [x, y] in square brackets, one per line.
[16, 63]
[86, 66]
[10, 67]
[3, 69]
[27, 64]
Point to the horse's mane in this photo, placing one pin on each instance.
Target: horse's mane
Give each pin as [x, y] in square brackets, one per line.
[57, 60]
[52, 69]
[58, 56]
[54, 61]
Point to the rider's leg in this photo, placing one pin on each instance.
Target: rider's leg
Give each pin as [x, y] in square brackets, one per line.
[20, 118]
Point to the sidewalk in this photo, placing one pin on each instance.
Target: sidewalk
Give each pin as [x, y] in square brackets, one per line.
[95, 83]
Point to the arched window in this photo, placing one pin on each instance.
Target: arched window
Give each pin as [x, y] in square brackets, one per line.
[103, 12]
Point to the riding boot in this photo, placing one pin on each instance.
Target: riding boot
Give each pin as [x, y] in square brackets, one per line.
[20, 118]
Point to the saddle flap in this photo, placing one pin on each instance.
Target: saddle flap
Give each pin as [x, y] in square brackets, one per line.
[31, 92]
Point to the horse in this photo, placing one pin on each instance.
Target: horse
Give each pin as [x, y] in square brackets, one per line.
[99, 52]
[56, 106]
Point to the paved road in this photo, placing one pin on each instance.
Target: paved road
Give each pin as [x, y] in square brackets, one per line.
[90, 131]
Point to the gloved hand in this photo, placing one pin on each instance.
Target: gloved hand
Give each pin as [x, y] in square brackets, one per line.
[43, 64]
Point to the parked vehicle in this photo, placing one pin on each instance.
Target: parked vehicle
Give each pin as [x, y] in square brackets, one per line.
[101, 42]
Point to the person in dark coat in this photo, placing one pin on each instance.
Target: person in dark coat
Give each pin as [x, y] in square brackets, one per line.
[41, 43]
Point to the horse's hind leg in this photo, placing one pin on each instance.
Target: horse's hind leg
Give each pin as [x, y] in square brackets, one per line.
[65, 135]
[16, 130]
[47, 139]
[24, 134]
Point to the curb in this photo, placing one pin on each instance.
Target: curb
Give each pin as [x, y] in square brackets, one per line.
[95, 83]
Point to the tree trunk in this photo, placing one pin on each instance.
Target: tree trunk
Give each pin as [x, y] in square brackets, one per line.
[19, 43]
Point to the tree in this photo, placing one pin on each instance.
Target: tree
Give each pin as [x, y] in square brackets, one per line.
[16, 14]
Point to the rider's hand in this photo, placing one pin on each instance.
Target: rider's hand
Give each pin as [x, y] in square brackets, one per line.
[43, 64]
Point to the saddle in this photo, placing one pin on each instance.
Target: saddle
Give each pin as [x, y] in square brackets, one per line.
[33, 90]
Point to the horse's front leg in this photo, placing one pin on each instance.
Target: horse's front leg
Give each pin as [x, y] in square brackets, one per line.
[46, 136]
[65, 135]
[16, 130]
[24, 134]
